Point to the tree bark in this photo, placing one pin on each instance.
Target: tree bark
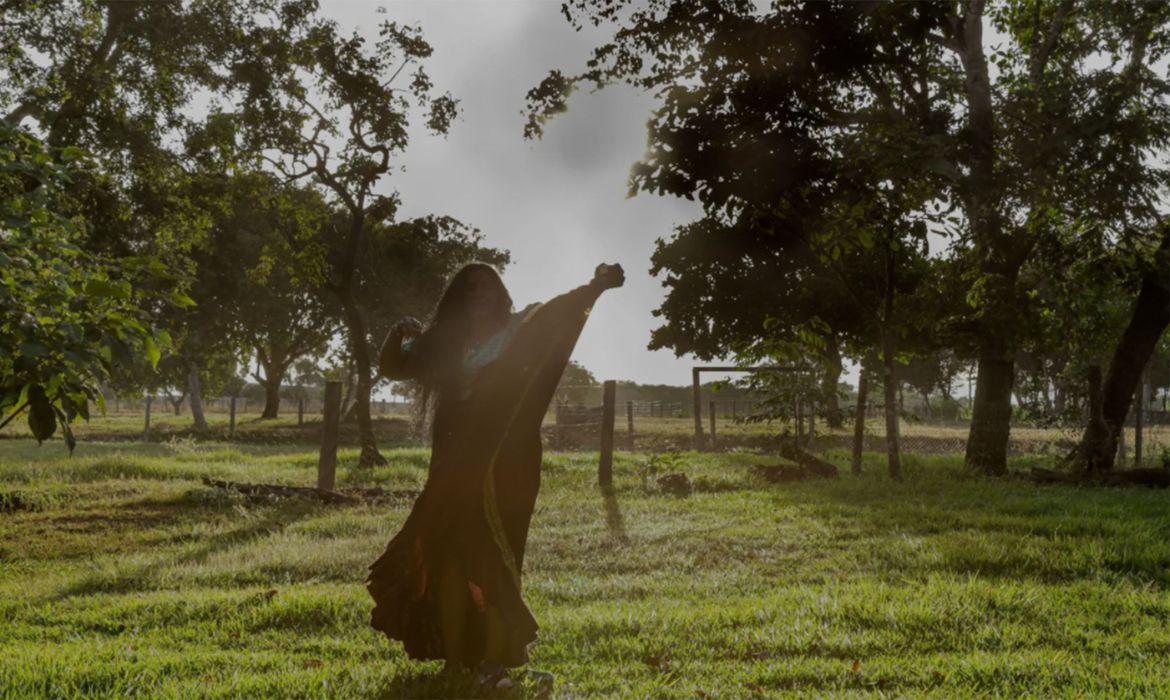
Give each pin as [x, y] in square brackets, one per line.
[890, 380]
[274, 371]
[195, 392]
[271, 397]
[1000, 256]
[360, 350]
[859, 419]
[892, 386]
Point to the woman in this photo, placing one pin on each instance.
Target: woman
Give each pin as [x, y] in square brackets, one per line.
[448, 584]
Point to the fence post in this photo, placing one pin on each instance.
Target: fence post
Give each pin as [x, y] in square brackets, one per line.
[300, 411]
[327, 461]
[232, 417]
[698, 409]
[146, 427]
[711, 408]
[630, 422]
[605, 468]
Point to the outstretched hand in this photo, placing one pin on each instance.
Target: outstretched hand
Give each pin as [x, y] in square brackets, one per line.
[608, 276]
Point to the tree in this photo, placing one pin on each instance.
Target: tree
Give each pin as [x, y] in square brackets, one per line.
[262, 300]
[119, 79]
[745, 93]
[66, 314]
[324, 109]
[1110, 402]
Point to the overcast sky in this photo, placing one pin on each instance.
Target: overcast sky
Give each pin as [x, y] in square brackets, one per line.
[559, 204]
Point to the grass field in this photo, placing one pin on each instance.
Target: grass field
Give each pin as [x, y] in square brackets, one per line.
[130, 578]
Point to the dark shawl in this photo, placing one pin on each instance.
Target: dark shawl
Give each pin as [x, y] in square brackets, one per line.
[480, 491]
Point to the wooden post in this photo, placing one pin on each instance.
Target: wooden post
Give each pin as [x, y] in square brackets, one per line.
[300, 411]
[698, 409]
[232, 417]
[146, 427]
[630, 422]
[605, 467]
[327, 461]
[711, 413]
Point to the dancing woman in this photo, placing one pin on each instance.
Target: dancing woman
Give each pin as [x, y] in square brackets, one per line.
[448, 584]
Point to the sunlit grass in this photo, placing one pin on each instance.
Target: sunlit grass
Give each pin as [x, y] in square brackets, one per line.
[131, 578]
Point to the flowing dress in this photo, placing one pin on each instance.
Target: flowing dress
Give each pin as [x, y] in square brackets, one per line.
[480, 491]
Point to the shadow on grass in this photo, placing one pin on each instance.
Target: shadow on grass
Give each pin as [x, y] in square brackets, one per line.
[430, 681]
[613, 515]
[145, 576]
[1005, 529]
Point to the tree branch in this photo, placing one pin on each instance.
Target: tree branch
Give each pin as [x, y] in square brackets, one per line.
[1040, 54]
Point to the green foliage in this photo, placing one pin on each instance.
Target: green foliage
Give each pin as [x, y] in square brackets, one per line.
[821, 136]
[67, 314]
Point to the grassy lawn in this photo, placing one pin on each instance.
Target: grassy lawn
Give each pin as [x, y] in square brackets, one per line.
[130, 578]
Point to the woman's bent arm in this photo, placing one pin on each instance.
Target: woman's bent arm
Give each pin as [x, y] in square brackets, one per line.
[397, 360]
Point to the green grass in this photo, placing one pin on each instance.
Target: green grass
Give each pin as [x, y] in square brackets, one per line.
[132, 579]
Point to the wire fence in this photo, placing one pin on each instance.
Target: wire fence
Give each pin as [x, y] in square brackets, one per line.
[734, 423]
[244, 405]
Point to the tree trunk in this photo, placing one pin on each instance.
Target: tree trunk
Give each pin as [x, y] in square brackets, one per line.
[360, 351]
[195, 391]
[1000, 257]
[1150, 317]
[890, 380]
[991, 416]
[271, 397]
[829, 381]
[892, 388]
[859, 419]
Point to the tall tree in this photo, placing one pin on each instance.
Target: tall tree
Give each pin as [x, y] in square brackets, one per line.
[326, 109]
[744, 90]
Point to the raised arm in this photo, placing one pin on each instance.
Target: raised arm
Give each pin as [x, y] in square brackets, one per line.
[397, 360]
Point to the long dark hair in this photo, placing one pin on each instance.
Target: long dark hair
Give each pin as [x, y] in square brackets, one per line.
[445, 339]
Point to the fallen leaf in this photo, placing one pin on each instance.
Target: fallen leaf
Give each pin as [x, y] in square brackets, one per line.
[312, 663]
[856, 666]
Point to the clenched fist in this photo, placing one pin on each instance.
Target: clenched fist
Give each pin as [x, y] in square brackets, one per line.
[608, 276]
